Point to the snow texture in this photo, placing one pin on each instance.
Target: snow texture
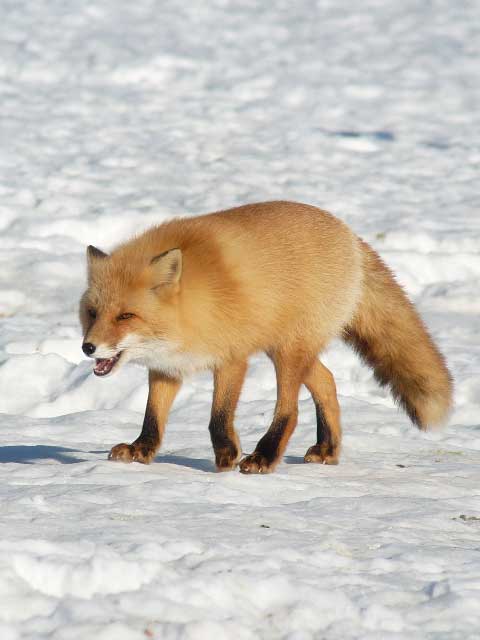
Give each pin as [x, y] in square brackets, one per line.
[116, 115]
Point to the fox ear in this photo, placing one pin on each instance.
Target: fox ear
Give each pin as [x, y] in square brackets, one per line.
[167, 268]
[95, 254]
[94, 257]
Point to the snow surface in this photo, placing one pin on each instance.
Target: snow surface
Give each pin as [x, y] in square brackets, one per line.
[116, 115]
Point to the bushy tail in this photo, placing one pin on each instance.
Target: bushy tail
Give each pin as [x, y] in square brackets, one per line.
[390, 336]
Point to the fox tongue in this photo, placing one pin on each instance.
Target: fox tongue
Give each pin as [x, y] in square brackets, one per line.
[104, 366]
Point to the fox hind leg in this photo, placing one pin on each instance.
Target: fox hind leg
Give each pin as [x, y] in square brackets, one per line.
[290, 369]
[321, 385]
[227, 385]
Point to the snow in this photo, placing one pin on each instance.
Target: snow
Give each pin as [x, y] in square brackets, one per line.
[119, 115]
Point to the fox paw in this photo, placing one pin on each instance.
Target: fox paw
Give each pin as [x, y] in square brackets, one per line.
[256, 463]
[225, 461]
[227, 457]
[131, 453]
[322, 454]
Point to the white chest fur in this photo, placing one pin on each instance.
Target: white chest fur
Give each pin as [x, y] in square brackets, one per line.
[161, 355]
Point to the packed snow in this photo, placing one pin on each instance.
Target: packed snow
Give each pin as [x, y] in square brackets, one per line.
[118, 115]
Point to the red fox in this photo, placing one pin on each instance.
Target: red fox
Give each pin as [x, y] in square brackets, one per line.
[279, 277]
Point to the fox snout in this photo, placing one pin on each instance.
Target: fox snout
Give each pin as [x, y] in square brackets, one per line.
[103, 365]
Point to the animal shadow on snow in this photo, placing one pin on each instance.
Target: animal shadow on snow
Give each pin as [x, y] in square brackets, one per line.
[293, 460]
[29, 454]
[200, 464]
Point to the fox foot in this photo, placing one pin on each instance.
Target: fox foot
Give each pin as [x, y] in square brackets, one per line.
[322, 454]
[227, 458]
[135, 452]
[256, 463]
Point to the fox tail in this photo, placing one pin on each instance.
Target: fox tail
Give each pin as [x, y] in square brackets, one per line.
[390, 337]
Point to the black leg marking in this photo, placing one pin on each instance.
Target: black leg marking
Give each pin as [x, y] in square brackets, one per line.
[218, 434]
[149, 439]
[324, 434]
[269, 445]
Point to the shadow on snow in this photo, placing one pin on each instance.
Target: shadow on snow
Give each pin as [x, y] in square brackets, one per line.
[200, 464]
[29, 454]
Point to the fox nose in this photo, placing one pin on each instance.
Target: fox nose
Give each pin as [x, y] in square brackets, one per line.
[88, 348]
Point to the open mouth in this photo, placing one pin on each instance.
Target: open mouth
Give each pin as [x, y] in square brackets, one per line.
[103, 366]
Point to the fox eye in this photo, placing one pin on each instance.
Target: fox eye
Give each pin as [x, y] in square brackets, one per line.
[125, 316]
[92, 313]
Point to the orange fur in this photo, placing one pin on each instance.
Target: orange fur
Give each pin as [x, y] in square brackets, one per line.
[279, 277]
[390, 336]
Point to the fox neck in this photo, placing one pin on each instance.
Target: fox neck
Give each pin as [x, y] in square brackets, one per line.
[169, 358]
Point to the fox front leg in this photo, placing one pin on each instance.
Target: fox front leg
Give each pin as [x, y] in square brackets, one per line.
[161, 394]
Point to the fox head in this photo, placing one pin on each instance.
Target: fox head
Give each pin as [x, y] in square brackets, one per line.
[130, 310]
